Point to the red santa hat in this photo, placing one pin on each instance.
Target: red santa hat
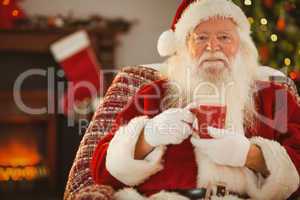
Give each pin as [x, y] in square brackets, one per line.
[190, 13]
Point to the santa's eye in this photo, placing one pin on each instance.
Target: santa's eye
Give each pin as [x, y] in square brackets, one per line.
[224, 38]
[201, 38]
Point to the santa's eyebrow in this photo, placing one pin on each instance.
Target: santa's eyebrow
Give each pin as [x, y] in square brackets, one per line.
[219, 32]
[202, 32]
[226, 32]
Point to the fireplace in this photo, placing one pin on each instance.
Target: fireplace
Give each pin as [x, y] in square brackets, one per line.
[22, 156]
[39, 150]
[27, 147]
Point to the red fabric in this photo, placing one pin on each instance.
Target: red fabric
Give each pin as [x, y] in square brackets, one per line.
[180, 169]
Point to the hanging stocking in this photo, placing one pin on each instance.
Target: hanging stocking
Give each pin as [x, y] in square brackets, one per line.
[77, 58]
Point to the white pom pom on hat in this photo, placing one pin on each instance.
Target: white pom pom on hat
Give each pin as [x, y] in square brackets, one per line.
[166, 43]
[190, 13]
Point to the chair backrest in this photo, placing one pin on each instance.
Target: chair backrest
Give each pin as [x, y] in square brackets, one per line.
[124, 86]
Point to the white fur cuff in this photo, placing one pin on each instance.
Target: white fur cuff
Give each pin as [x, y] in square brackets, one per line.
[120, 160]
[132, 194]
[283, 179]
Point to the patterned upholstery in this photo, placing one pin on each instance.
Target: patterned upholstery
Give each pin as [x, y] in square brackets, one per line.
[80, 184]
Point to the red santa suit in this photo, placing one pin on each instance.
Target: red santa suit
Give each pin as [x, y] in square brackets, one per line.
[184, 167]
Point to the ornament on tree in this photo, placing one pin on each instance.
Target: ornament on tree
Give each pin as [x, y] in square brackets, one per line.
[268, 3]
[281, 24]
[264, 53]
[288, 6]
[10, 12]
[295, 75]
[77, 58]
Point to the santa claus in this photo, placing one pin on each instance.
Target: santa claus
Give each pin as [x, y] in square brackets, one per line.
[155, 153]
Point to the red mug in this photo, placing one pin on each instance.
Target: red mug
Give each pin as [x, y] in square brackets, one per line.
[209, 115]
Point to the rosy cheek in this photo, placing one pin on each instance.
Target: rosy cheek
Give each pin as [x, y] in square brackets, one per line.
[230, 51]
[198, 53]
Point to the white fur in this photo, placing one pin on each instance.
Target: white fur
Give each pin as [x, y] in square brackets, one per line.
[128, 194]
[229, 197]
[120, 160]
[163, 195]
[283, 179]
[166, 44]
[262, 73]
[70, 45]
[132, 194]
[210, 173]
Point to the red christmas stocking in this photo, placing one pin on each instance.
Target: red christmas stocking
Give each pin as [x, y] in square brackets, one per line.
[78, 60]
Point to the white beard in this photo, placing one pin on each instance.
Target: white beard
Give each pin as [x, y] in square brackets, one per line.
[232, 87]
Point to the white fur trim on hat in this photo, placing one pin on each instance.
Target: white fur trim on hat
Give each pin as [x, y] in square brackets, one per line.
[283, 179]
[166, 44]
[120, 160]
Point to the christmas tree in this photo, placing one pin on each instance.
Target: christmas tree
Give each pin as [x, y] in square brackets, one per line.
[275, 29]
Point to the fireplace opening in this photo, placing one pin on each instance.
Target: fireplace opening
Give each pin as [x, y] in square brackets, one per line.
[23, 157]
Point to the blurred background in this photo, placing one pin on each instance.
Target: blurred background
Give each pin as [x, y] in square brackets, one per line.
[48, 47]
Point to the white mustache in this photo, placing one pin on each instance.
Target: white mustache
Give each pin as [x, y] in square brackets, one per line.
[217, 56]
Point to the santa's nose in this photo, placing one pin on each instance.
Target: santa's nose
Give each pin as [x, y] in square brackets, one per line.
[213, 44]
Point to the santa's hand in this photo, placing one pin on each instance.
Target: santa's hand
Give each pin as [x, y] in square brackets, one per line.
[226, 147]
[170, 127]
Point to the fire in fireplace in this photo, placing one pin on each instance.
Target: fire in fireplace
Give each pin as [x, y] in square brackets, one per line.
[20, 159]
[23, 156]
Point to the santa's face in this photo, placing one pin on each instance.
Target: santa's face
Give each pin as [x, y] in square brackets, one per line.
[213, 45]
[217, 67]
